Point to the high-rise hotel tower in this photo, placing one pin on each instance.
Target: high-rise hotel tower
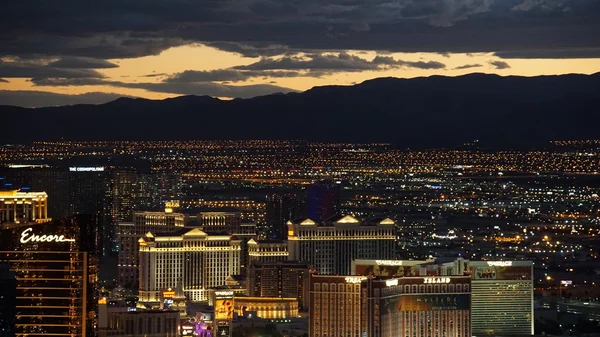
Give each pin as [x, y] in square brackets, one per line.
[330, 246]
[189, 258]
[55, 267]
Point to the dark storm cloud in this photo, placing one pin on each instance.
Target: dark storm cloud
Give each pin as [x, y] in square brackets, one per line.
[180, 88]
[69, 81]
[500, 65]
[247, 50]
[468, 66]
[3, 80]
[120, 29]
[18, 68]
[229, 75]
[82, 63]
[337, 63]
[40, 98]
[210, 89]
[550, 53]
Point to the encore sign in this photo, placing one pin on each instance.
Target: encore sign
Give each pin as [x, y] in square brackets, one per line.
[27, 236]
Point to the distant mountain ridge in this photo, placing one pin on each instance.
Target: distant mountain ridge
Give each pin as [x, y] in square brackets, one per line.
[432, 111]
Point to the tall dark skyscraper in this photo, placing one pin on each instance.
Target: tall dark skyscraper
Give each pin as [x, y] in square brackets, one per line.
[322, 200]
[280, 209]
[8, 304]
[56, 268]
[53, 181]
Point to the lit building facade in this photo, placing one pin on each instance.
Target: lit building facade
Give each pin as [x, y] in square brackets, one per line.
[502, 291]
[502, 297]
[332, 245]
[335, 307]
[190, 257]
[360, 306]
[8, 301]
[23, 207]
[267, 251]
[272, 308]
[280, 279]
[130, 232]
[416, 306]
[280, 208]
[56, 273]
[117, 321]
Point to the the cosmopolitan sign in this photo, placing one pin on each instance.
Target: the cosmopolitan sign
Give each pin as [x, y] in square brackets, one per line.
[86, 169]
[28, 237]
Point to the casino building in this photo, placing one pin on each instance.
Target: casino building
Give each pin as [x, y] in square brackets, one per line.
[55, 266]
[128, 234]
[360, 306]
[23, 207]
[331, 245]
[502, 291]
[192, 258]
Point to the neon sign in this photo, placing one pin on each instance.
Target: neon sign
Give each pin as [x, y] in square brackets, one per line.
[389, 262]
[436, 280]
[86, 169]
[27, 236]
[355, 279]
[499, 263]
[391, 283]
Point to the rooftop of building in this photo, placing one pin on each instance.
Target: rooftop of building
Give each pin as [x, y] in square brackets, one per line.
[267, 242]
[12, 194]
[189, 232]
[297, 264]
[341, 219]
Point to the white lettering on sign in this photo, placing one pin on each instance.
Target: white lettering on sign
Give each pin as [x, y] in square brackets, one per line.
[223, 293]
[436, 280]
[86, 169]
[389, 262]
[391, 283]
[500, 263]
[27, 236]
[355, 279]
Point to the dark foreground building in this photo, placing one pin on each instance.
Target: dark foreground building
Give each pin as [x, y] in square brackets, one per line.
[8, 305]
[55, 265]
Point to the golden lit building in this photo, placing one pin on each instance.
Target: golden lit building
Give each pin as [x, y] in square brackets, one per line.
[190, 257]
[267, 251]
[416, 306]
[335, 306]
[123, 321]
[501, 291]
[360, 306]
[128, 234]
[289, 279]
[56, 279]
[273, 308]
[331, 246]
[23, 207]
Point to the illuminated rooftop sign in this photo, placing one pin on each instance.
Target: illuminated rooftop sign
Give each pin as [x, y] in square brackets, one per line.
[27, 236]
[355, 279]
[86, 169]
[389, 262]
[391, 283]
[499, 263]
[224, 294]
[436, 280]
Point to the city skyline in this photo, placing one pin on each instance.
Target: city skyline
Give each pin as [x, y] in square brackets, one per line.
[246, 49]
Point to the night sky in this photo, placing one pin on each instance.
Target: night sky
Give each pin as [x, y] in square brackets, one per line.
[100, 50]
